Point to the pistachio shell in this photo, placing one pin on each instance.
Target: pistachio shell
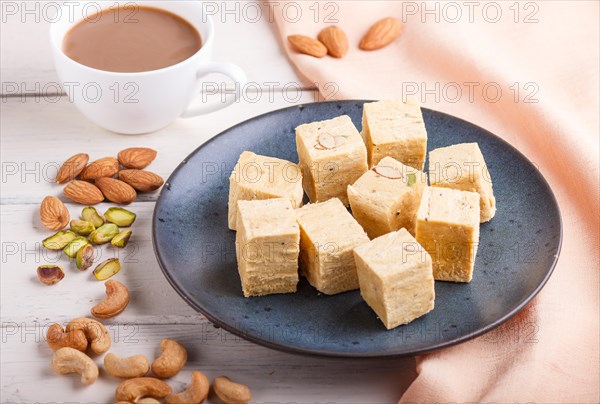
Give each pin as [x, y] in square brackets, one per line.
[50, 274]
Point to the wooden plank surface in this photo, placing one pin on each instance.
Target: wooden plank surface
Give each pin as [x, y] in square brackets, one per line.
[37, 134]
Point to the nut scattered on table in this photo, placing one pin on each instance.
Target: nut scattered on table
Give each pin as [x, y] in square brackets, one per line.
[126, 368]
[171, 360]
[117, 299]
[90, 214]
[54, 215]
[85, 257]
[116, 191]
[195, 392]
[75, 245]
[120, 216]
[104, 167]
[57, 338]
[136, 157]
[83, 192]
[50, 274]
[141, 180]
[381, 34]
[231, 392]
[69, 360]
[95, 332]
[59, 240]
[107, 268]
[121, 239]
[82, 227]
[132, 390]
[104, 233]
[72, 168]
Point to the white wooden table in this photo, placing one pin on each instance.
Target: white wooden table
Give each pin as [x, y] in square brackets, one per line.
[37, 133]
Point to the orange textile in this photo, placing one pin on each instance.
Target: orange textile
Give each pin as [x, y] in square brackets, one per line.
[528, 72]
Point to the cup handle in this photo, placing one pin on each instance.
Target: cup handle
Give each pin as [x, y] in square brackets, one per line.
[230, 70]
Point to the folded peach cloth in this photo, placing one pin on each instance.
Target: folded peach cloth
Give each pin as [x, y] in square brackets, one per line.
[529, 73]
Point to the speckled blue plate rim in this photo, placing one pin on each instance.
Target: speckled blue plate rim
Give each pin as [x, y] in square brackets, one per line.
[333, 354]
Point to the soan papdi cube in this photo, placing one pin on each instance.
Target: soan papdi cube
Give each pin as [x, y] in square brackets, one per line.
[328, 234]
[448, 228]
[395, 277]
[386, 197]
[261, 177]
[332, 156]
[395, 128]
[461, 166]
[267, 246]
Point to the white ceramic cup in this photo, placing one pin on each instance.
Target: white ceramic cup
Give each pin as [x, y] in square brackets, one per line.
[140, 102]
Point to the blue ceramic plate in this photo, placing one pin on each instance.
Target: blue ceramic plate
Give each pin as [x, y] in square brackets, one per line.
[196, 251]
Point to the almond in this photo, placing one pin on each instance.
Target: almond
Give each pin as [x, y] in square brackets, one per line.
[104, 167]
[307, 45]
[83, 192]
[141, 180]
[388, 172]
[335, 41]
[54, 215]
[381, 34]
[116, 191]
[136, 157]
[72, 168]
[325, 141]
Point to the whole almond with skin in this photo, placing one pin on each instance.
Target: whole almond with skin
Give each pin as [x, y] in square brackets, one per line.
[72, 168]
[335, 41]
[116, 191]
[54, 215]
[307, 45]
[104, 167]
[83, 192]
[141, 180]
[381, 34]
[136, 157]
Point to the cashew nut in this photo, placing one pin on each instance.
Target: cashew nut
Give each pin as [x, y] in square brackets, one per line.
[126, 368]
[231, 392]
[69, 360]
[171, 361]
[147, 400]
[57, 338]
[132, 390]
[95, 332]
[195, 393]
[117, 298]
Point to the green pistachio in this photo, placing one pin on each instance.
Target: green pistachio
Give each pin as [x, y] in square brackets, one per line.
[119, 216]
[74, 246]
[59, 240]
[85, 257]
[121, 239]
[107, 268]
[104, 233]
[90, 214]
[82, 227]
